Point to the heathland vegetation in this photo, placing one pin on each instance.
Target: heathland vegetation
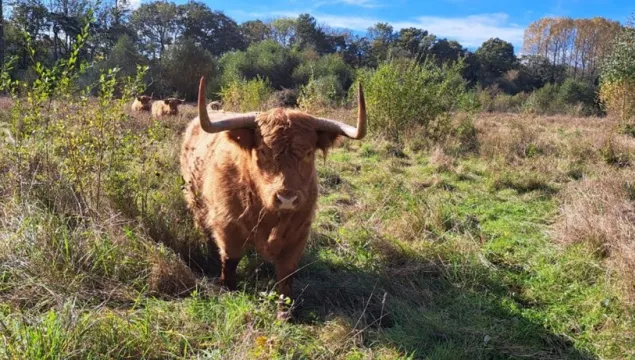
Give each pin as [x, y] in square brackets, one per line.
[490, 213]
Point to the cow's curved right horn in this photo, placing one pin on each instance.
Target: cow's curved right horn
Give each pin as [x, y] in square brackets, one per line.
[222, 122]
[340, 128]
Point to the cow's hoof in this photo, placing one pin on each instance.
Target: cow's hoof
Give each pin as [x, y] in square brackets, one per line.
[284, 311]
[284, 315]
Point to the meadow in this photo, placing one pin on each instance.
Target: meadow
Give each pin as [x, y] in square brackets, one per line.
[512, 238]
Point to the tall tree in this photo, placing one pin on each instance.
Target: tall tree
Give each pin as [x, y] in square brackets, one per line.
[213, 31]
[580, 44]
[283, 31]
[496, 57]
[255, 31]
[381, 36]
[413, 40]
[156, 24]
[309, 35]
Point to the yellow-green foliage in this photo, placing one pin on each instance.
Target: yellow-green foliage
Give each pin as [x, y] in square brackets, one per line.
[320, 94]
[619, 98]
[246, 95]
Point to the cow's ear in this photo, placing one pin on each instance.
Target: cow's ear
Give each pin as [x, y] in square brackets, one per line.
[245, 138]
[326, 140]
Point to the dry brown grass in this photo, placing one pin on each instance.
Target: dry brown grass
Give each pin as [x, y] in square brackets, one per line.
[170, 276]
[514, 137]
[600, 212]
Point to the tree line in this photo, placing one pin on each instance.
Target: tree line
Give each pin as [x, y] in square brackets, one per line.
[178, 43]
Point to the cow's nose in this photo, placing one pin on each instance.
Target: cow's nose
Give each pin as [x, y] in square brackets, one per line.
[286, 199]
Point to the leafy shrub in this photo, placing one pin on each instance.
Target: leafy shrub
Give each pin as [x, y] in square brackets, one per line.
[283, 98]
[406, 94]
[246, 95]
[541, 100]
[577, 97]
[320, 94]
[327, 65]
[509, 103]
[470, 102]
[267, 60]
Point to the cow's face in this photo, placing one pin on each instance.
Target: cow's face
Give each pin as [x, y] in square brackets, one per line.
[283, 157]
[145, 101]
[172, 106]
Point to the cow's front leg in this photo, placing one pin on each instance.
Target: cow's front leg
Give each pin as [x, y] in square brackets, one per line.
[286, 266]
[228, 273]
[231, 249]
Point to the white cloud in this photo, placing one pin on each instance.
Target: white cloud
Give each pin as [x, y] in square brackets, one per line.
[134, 4]
[470, 31]
[473, 30]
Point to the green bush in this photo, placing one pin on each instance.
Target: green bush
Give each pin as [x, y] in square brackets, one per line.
[541, 101]
[320, 94]
[267, 59]
[327, 65]
[509, 103]
[578, 97]
[404, 94]
[246, 95]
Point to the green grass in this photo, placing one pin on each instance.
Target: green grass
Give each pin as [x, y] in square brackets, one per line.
[406, 260]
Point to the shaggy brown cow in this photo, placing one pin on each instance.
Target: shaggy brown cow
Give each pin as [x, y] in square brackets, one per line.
[251, 181]
[214, 106]
[166, 107]
[141, 103]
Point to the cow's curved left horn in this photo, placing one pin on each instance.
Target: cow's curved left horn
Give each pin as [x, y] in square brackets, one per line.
[227, 121]
[335, 126]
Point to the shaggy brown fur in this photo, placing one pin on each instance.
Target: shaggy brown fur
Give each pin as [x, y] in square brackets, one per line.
[233, 177]
[166, 107]
[141, 103]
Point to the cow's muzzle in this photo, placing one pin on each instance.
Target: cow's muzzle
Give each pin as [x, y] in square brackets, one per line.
[287, 200]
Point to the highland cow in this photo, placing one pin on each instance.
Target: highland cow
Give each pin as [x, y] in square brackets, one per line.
[250, 180]
[141, 103]
[169, 107]
[214, 106]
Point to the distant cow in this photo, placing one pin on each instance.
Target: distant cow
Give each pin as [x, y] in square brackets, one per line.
[251, 181]
[214, 106]
[141, 103]
[166, 107]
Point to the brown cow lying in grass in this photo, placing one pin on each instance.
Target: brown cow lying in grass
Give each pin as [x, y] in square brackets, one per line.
[168, 106]
[141, 103]
[251, 181]
[214, 106]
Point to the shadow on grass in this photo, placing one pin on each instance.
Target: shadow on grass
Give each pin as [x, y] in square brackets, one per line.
[406, 300]
[411, 303]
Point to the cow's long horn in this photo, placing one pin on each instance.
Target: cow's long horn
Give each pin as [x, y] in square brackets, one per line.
[223, 122]
[335, 126]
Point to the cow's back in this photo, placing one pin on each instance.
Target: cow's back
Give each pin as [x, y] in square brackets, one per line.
[157, 108]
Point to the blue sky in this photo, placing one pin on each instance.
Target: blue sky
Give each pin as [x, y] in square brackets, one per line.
[469, 22]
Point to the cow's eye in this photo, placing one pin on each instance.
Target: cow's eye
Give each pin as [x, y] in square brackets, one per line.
[308, 156]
